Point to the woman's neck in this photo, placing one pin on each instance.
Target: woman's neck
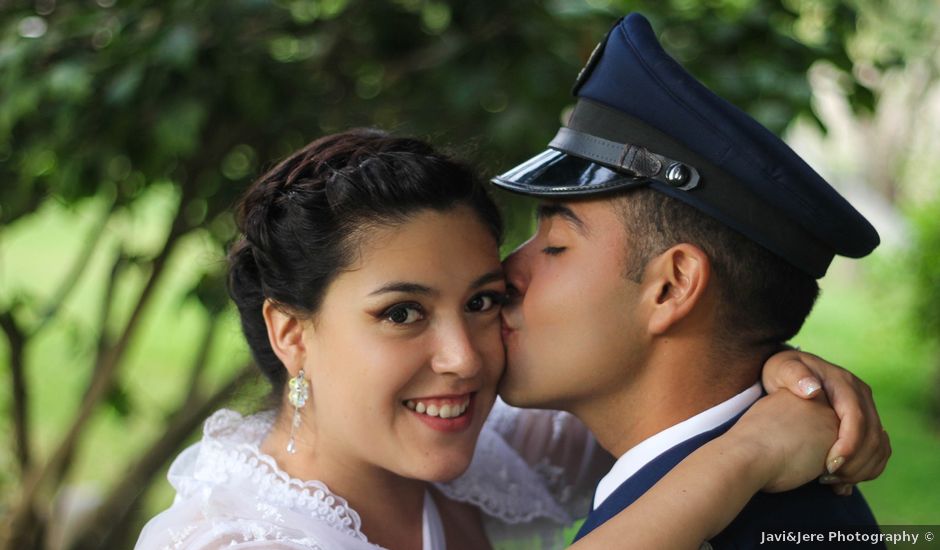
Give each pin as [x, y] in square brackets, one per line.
[389, 505]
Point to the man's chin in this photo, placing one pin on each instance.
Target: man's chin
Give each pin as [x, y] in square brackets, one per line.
[515, 393]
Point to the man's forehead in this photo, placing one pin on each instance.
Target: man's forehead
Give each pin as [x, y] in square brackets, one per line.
[585, 215]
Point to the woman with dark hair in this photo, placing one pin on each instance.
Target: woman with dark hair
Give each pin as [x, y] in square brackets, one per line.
[369, 286]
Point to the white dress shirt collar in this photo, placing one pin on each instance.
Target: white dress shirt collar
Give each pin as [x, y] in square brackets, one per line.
[655, 445]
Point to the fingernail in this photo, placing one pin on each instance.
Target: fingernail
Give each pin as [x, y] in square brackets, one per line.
[829, 479]
[845, 490]
[835, 464]
[808, 385]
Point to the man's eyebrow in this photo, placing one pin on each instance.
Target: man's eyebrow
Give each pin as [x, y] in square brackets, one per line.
[403, 286]
[492, 276]
[550, 209]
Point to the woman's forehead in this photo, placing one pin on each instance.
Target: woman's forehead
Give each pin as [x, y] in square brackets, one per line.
[437, 249]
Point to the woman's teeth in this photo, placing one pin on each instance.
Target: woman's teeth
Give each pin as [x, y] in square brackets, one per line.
[447, 410]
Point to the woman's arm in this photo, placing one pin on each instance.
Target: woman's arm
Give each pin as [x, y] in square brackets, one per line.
[778, 445]
[557, 442]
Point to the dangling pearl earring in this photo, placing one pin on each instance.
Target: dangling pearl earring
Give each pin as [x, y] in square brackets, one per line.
[298, 394]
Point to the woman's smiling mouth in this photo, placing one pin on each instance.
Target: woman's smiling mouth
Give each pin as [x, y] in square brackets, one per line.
[445, 413]
[439, 407]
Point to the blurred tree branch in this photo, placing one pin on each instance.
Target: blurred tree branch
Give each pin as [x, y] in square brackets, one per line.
[105, 368]
[17, 341]
[72, 276]
[109, 528]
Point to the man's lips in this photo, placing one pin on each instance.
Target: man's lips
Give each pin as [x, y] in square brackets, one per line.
[507, 327]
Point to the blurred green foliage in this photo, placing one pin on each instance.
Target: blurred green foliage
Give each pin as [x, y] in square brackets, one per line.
[117, 96]
[925, 254]
[925, 270]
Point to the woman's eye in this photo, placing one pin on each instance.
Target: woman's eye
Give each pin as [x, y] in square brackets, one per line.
[486, 301]
[554, 250]
[404, 314]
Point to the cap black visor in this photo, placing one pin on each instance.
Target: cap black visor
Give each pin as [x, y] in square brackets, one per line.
[554, 173]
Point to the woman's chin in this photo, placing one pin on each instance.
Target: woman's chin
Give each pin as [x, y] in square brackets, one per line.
[446, 468]
[444, 476]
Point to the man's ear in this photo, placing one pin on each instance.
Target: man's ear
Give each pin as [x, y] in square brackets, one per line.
[675, 283]
[285, 334]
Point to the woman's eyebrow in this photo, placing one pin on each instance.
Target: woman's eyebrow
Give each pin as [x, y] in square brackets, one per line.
[492, 276]
[417, 288]
[403, 286]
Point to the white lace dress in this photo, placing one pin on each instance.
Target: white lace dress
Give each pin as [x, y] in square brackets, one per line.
[532, 474]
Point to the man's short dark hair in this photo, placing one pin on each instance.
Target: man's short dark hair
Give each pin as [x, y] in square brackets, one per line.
[763, 299]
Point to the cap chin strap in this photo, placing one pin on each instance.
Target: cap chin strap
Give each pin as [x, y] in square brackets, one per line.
[633, 159]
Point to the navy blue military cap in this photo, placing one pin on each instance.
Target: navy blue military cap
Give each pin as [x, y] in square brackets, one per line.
[642, 120]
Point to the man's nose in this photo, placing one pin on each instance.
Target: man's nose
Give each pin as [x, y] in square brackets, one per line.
[516, 268]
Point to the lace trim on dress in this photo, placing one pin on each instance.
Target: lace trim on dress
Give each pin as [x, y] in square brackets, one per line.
[230, 450]
[503, 486]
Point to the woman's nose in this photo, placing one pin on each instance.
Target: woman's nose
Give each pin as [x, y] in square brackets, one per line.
[457, 353]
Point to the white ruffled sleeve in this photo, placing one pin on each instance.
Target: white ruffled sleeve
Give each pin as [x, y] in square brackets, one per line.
[230, 495]
[226, 519]
[533, 473]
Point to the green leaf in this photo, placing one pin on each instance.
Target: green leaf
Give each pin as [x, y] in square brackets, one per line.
[69, 81]
[179, 129]
[179, 46]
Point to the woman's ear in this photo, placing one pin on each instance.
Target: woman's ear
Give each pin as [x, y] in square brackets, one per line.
[677, 280]
[286, 336]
